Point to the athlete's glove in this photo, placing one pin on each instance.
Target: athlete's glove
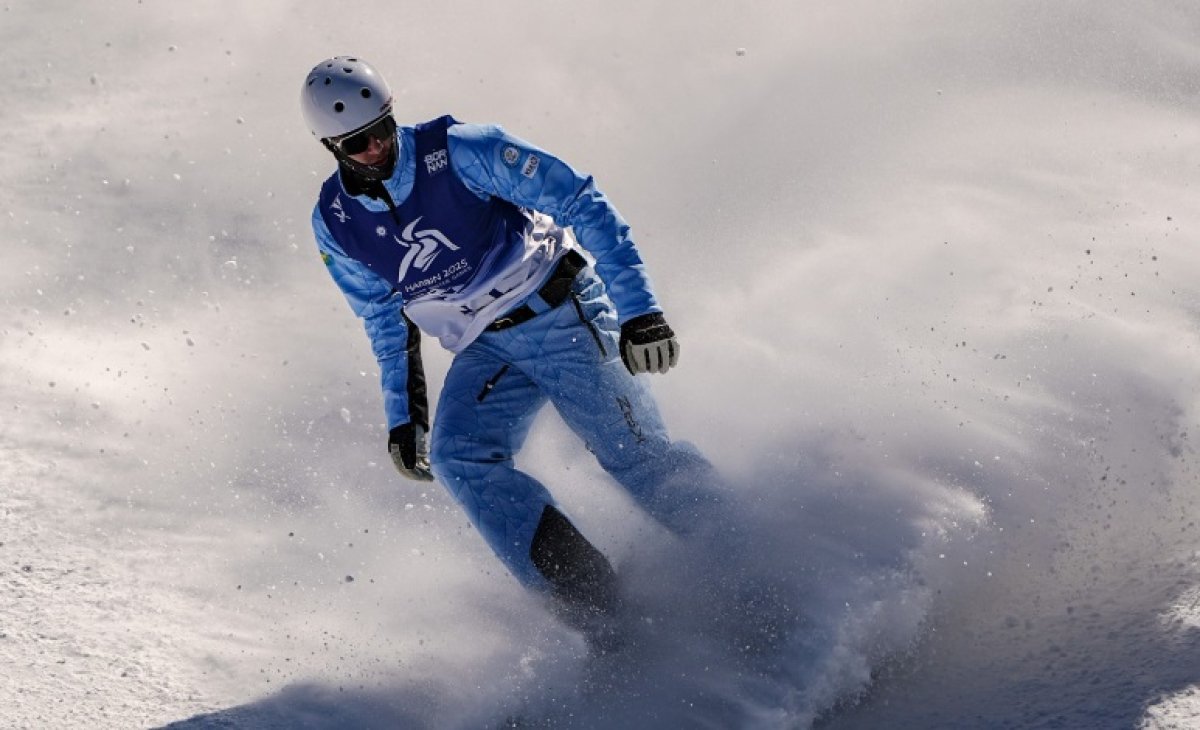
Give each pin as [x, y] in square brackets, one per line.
[648, 345]
[410, 452]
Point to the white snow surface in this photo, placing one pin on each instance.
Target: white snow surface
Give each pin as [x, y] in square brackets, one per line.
[934, 264]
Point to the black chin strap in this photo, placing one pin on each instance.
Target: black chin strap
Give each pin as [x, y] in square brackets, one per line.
[362, 176]
[356, 184]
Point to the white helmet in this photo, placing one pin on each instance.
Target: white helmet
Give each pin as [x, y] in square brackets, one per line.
[343, 94]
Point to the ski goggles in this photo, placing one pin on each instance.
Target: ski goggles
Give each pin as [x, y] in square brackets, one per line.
[355, 143]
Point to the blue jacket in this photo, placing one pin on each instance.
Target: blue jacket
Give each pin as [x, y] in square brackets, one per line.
[490, 163]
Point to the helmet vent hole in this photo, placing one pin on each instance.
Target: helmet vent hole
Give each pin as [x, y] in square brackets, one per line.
[328, 81]
[347, 69]
[339, 107]
[352, 60]
[366, 93]
[311, 82]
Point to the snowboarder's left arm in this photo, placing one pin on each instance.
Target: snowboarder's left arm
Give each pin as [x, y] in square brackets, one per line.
[492, 162]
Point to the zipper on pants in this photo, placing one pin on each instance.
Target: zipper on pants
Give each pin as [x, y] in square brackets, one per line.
[591, 327]
[491, 383]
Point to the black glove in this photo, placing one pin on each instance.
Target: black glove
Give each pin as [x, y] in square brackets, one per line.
[410, 451]
[648, 344]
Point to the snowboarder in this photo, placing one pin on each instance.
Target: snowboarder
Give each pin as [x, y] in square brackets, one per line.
[474, 236]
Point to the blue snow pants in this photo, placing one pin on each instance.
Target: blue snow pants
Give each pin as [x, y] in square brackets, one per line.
[568, 356]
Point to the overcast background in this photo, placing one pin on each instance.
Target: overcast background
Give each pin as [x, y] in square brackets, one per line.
[934, 266]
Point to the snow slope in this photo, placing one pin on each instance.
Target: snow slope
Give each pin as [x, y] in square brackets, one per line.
[934, 268]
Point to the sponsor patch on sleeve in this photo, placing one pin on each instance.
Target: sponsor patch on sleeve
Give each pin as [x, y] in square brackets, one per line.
[326, 258]
[531, 165]
[511, 155]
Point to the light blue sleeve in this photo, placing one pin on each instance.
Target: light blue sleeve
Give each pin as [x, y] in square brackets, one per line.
[372, 298]
[492, 162]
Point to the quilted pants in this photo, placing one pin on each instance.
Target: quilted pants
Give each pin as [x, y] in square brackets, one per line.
[567, 356]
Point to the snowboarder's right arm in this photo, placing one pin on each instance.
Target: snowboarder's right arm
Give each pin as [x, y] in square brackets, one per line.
[395, 341]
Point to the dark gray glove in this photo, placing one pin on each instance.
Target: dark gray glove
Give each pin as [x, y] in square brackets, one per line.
[410, 452]
[648, 344]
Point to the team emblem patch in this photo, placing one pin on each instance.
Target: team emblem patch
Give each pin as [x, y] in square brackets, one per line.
[511, 155]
